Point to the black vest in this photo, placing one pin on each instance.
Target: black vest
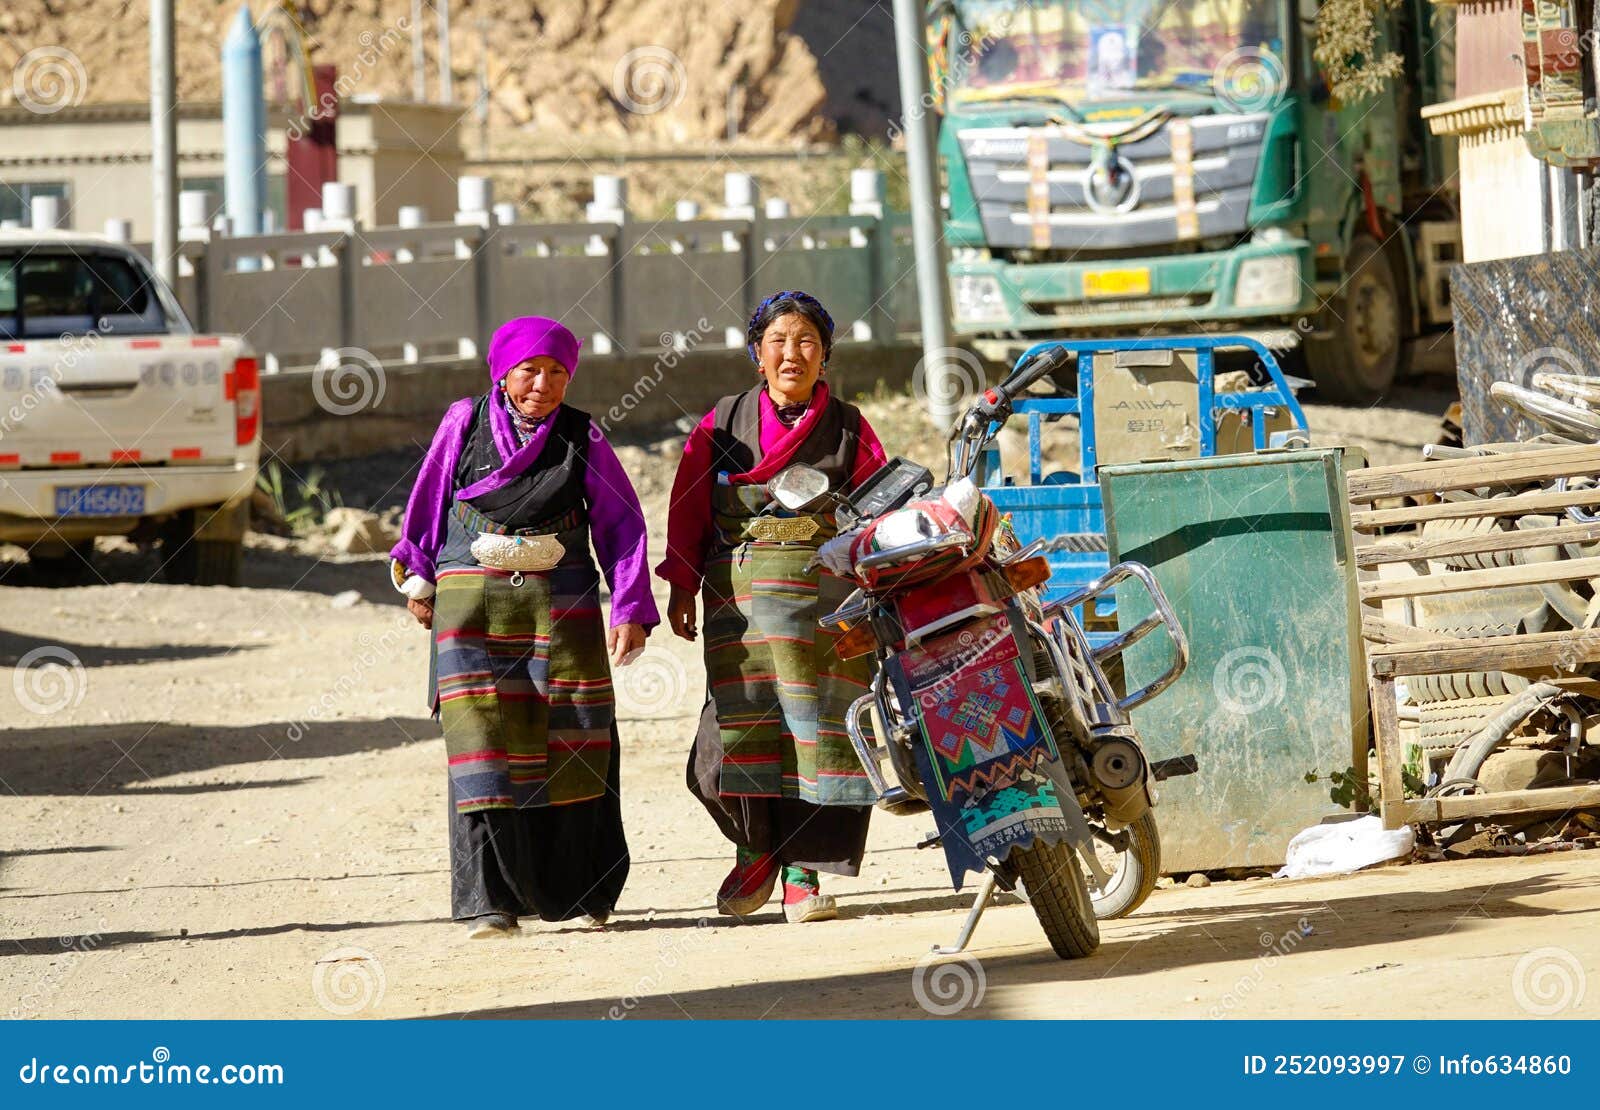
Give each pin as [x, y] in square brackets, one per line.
[830, 447]
[549, 488]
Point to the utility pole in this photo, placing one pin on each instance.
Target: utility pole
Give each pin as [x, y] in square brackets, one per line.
[419, 64]
[164, 140]
[446, 83]
[910, 36]
[484, 27]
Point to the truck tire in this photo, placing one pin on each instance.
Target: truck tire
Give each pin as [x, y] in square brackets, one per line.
[1059, 895]
[1358, 362]
[1462, 685]
[189, 561]
[1138, 867]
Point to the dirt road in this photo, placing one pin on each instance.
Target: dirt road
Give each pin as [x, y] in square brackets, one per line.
[229, 803]
[239, 784]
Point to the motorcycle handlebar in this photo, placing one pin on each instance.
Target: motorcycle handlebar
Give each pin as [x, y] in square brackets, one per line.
[994, 408]
[995, 404]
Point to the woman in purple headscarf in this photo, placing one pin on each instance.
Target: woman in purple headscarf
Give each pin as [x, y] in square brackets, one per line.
[494, 558]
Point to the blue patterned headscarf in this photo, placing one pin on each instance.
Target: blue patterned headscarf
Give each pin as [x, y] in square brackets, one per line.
[781, 304]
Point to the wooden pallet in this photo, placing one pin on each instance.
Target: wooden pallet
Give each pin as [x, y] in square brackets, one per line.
[1396, 649]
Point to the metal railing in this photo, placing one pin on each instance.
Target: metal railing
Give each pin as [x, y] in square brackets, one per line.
[436, 290]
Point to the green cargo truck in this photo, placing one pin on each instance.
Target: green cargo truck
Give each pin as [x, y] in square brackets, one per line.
[1163, 166]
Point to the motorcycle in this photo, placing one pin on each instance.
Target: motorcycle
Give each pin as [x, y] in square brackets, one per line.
[989, 707]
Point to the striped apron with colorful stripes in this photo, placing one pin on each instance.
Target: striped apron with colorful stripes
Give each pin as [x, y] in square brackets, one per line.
[522, 679]
[780, 688]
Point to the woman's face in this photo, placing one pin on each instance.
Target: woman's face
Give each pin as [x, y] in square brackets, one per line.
[537, 386]
[791, 358]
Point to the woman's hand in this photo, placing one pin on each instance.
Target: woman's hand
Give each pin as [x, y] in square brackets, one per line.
[422, 610]
[622, 639]
[680, 613]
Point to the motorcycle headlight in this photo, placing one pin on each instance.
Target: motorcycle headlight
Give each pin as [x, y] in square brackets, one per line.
[1274, 280]
[977, 297]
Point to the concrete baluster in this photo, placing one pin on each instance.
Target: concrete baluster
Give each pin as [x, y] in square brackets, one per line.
[740, 192]
[868, 188]
[610, 206]
[45, 214]
[683, 212]
[475, 207]
[776, 208]
[194, 214]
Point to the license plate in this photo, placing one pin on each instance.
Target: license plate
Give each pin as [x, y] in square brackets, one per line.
[99, 500]
[1116, 283]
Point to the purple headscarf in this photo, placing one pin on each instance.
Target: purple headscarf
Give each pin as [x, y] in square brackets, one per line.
[524, 337]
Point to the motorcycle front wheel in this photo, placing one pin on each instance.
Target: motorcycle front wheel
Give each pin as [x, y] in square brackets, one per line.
[1059, 895]
[1133, 871]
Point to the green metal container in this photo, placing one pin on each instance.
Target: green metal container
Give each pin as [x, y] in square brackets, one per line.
[1254, 552]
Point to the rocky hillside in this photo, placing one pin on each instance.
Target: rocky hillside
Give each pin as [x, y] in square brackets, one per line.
[657, 70]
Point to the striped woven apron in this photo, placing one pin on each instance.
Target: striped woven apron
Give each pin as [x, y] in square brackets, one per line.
[522, 676]
[780, 688]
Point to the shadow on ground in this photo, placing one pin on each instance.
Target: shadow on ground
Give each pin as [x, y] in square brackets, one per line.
[1226, 933]
[99, 942]
[14, 645]
[124, 758]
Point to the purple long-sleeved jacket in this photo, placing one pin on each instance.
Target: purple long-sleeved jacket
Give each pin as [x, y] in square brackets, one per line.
[616, 523]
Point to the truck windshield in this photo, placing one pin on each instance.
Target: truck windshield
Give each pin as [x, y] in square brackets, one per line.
[1088, 50]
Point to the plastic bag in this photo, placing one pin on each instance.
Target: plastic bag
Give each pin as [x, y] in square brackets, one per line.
[1346, 846]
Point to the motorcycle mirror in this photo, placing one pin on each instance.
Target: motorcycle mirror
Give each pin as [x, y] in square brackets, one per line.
[798, 487]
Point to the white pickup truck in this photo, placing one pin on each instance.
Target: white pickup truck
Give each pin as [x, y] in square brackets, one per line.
[115, 417]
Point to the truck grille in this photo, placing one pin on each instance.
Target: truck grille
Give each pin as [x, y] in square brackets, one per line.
[1226, 151]
[1099, 307]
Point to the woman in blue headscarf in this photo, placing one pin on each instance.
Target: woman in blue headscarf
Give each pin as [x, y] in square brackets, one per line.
[772, 762]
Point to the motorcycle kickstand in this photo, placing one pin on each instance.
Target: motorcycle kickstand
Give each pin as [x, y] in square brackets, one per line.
[979, 904]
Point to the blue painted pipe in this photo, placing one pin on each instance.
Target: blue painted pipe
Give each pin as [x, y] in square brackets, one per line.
[244, 128]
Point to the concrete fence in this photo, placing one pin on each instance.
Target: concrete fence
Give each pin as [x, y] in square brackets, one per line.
[434, 291]
[356, 409]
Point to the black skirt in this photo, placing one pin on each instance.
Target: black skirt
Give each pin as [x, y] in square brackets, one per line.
[821, 838]
[552, 862]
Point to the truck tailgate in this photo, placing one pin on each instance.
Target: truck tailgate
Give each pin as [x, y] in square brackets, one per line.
[93, 400]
